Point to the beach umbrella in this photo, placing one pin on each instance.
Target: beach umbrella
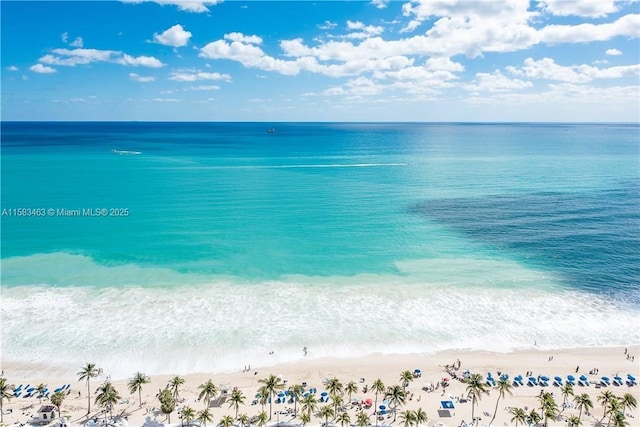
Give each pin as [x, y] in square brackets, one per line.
[544, 378]
[571, 377]
[583, 378]
[631, 377]
[368, 401]
[324, 393]
[382, 407]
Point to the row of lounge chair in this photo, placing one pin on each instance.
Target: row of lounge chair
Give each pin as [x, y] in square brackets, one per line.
[582, 380]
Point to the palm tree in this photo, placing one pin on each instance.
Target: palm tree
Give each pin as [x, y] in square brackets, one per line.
[107, 396]
[167, 402]
[271, 384]
[503, 386]
[174, 386]
[519, 415]
[325, 412]
[344, 418]
[309, 404]
[226, 421]
[628, 401]
[421, 417]
[337, 403]
[619, 420]
[296, 391]
[261, 419]
[613, 407]
[407, 418]
[583, 402]
[548, 406]
[187, 414]
[573, 421]
[534, 417]
[264, 396]
[207, 391]
[236, 399]
[567, 390]
[6, 392]
[304, 419]
[476, 388]
[136, 383]
[85, 374]
[406, 377]
[605, 398]
[378, 387]
[205, 416]
[334, 387]
[56, 399]
[243, 419]
[40, 390]
[397, 397]
[362, 419]
[351, 388]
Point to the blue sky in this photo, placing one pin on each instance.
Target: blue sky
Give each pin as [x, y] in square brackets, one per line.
[413, 60]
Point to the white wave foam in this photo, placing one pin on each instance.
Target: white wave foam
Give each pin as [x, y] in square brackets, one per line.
[221, 325]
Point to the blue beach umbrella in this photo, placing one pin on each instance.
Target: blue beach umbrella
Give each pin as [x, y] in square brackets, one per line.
[544, 378]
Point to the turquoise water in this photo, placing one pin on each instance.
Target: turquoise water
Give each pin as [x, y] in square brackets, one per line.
[347, 238]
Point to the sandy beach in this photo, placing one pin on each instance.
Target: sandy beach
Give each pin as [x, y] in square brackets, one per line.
[363, 372]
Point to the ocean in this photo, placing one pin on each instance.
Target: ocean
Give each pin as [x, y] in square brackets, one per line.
[203, 247]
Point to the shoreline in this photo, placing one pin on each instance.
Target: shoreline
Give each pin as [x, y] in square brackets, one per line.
[608, 360]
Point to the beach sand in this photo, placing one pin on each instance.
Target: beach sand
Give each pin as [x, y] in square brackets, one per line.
[363, 371]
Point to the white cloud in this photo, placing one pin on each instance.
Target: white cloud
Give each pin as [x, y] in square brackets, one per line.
[239, 37]
[64, 37]
[39, 68]
[77, 42]
[613, 52]
[496, 82]
[547, 68]
[380, 4]
[204, 87]
[327, 25]
[73, 57]
[584, 8]
[362, 31]
[142, 79]
[627, 26]
[192, 76]
[197, 6]
[175, 36]
[12, 68]
[165, 100]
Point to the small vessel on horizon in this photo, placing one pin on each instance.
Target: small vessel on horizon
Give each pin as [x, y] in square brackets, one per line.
[125, 152]
[271, 130]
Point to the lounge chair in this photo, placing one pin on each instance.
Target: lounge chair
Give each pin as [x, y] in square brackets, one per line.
[631, 380]
[532, 381]
[617, 380]
[605, 381]
[583, 381]
[557, 381]
[490, 380]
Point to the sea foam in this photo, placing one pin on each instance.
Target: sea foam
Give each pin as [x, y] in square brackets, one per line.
[180, 325]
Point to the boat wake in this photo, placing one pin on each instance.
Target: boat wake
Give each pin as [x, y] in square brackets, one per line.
[125, 152]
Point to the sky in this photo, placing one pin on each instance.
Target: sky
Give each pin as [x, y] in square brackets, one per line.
[373, 60]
